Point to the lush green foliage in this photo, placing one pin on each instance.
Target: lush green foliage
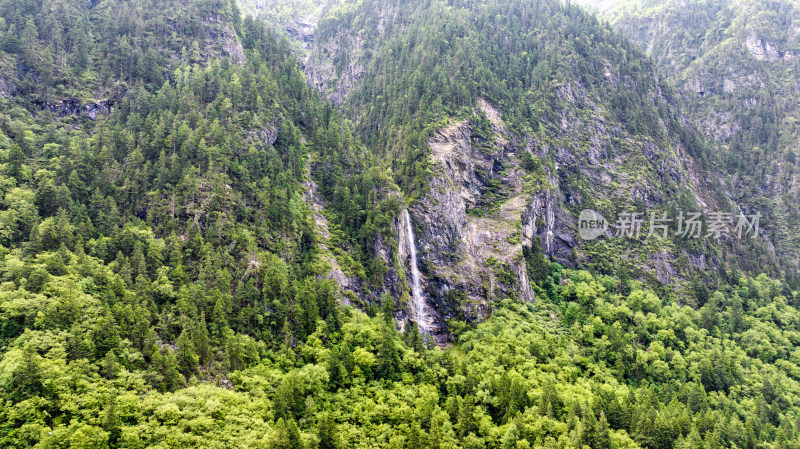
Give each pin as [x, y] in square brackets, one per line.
[585, 366]
[161, 278]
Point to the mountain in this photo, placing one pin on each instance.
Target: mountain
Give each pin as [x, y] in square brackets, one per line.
[735, 64]
[217, 232]
[499, 124]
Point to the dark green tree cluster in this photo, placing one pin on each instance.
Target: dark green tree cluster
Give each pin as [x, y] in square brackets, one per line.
[176, 226]
[91, 49]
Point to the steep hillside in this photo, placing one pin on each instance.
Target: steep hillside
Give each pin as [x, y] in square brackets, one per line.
[500, 122]
[736, 64]
[67, 56]
[160, 231]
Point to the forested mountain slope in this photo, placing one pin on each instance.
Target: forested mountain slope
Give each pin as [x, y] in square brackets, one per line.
[494, 112]
[197, 249]
[736, 63]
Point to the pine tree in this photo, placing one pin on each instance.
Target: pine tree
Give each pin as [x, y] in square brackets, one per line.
[388, 354]
[27, 378]
[202, 340]
[172, 378]
[326, 432]
[110, 365]
[387, 309]
[187, 358]
[537, 265]
[286, 435]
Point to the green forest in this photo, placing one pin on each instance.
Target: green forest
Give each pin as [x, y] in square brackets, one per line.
[164, 282]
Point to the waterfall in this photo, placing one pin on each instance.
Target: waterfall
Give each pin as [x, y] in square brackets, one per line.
[416, 290]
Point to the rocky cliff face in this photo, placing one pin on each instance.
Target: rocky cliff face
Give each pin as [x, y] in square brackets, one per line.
[546, 219]
[483, 208]
[468, 224]
[764, 49]
[336, 60]
[302, 31]
[222, 42]
[331, 77]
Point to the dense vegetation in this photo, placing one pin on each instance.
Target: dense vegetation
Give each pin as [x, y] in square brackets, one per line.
[162, 281]
[585, 366]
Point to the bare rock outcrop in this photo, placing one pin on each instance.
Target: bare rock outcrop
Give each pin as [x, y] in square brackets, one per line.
[469, 224]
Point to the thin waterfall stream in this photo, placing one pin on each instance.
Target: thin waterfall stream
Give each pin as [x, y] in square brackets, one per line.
[416, 290]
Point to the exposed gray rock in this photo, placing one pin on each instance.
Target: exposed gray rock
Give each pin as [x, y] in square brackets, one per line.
[302, 31]
[268, 135]
[73, 107]
[761, 49]
[330, 80]
[544, 218]
[221, 42]
[232, 46]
